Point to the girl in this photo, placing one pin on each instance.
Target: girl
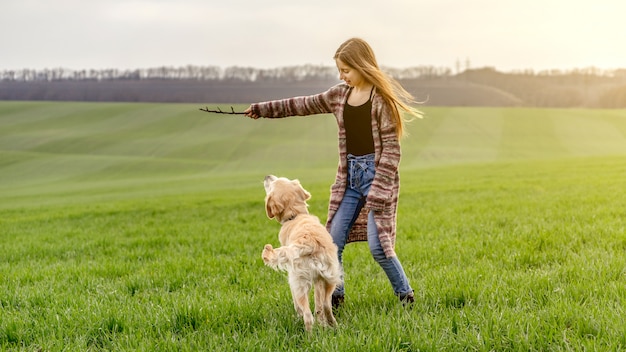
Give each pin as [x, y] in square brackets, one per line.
[364, 197]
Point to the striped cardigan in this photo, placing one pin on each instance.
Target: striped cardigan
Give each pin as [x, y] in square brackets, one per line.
[383, 194]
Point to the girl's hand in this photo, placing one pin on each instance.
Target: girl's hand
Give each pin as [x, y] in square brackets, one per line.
[248, 112]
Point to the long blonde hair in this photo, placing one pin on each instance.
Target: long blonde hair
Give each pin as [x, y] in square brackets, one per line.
[358, 55]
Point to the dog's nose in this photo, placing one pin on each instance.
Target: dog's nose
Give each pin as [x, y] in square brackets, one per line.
[270, 178]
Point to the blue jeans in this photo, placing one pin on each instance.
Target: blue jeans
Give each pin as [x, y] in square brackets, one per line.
[361, 170]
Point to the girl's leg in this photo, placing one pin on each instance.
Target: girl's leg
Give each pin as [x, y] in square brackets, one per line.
[342, 222]
[391, 266]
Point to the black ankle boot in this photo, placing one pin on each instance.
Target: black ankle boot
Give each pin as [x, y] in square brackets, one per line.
[407, 299]
[337, 301]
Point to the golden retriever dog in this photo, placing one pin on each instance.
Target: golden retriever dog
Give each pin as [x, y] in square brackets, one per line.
[307, 251]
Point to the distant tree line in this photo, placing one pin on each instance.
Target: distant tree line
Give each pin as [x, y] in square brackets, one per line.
[208, 73]
[588, 87]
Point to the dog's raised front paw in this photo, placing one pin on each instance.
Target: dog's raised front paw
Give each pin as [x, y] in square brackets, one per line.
[268, 252]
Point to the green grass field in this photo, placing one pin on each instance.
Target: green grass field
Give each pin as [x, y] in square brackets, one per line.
[140, 227]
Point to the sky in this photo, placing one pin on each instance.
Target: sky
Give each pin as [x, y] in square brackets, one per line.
[127, 34]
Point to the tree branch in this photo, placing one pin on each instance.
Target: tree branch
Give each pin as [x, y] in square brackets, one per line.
[219, 111]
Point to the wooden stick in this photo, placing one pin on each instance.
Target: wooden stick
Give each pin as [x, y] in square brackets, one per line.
[219, 111]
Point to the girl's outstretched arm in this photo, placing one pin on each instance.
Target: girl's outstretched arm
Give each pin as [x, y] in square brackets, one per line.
[326, 102]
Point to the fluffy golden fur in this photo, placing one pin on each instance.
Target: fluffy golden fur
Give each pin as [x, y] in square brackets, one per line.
[307, 251]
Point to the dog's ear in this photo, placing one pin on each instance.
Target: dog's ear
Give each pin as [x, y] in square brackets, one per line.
[303, 193]
[270, 207]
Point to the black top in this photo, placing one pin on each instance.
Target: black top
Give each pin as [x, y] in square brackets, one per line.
[358, 124]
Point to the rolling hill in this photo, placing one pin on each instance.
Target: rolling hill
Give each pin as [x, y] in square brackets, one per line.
[51, 150]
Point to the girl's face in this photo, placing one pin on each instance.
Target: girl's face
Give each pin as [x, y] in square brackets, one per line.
[349, 75]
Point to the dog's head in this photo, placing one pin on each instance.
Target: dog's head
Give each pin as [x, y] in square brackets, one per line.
[284, 198]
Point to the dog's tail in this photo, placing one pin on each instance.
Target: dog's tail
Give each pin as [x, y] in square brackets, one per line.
[329, 271]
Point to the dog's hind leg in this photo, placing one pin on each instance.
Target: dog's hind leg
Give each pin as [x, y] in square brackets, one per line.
[323, 305]
[320, 296]
[300, 294]
[327, 307]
